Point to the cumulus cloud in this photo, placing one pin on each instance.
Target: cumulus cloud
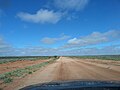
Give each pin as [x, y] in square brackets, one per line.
[48, 40]
[61, 7]
[105, 50]
[95, 38]
[76, 43]
[41, 16]
[71, 4]
[6, 50]
[36, 51]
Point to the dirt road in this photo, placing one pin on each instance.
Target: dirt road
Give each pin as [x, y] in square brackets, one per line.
[68, 69]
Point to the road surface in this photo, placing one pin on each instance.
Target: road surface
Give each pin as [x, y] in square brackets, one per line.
[68, 69]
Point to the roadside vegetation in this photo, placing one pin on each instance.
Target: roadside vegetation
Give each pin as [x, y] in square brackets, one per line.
[102, 57]
[19, 58]
[21, 72]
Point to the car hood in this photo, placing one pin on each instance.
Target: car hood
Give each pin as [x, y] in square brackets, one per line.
[76, 85]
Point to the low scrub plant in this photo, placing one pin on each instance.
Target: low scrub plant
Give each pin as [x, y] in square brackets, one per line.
[102, 57]
[13, 59]
[9, 76]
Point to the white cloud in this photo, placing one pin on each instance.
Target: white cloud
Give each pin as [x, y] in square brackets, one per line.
[6, 50]
[71, 4]
[95, 38]
[36, 51]
[41, 16]
[105, 50]
[48, 40]
[92, 39]
[50, 16]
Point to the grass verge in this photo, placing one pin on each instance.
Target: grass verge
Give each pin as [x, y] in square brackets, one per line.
[20, 58]
[9, 76]
[101, 57]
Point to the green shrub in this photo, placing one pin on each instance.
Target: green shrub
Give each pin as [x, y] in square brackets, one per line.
[102, 57]
[30, 72]
[8, 80]
[20, 58]
[8, 76]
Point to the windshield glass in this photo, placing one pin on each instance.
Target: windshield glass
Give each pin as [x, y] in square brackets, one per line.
[58, 40]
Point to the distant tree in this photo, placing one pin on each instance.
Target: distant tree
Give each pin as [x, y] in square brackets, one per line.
[55, 56]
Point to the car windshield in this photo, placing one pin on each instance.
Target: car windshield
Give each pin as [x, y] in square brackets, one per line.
[46, 41]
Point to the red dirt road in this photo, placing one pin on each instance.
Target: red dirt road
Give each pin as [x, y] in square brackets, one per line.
[67, 69]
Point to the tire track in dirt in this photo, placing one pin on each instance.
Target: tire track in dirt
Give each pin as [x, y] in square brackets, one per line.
[99, 73]
[67, 69]
[62, 71]
[79, 69]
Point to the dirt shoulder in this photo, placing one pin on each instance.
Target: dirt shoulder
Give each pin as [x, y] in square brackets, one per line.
[6, 67]
[109, 64]
[66, 69]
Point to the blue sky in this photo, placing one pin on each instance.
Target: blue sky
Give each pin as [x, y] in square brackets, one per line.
[59, 27]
